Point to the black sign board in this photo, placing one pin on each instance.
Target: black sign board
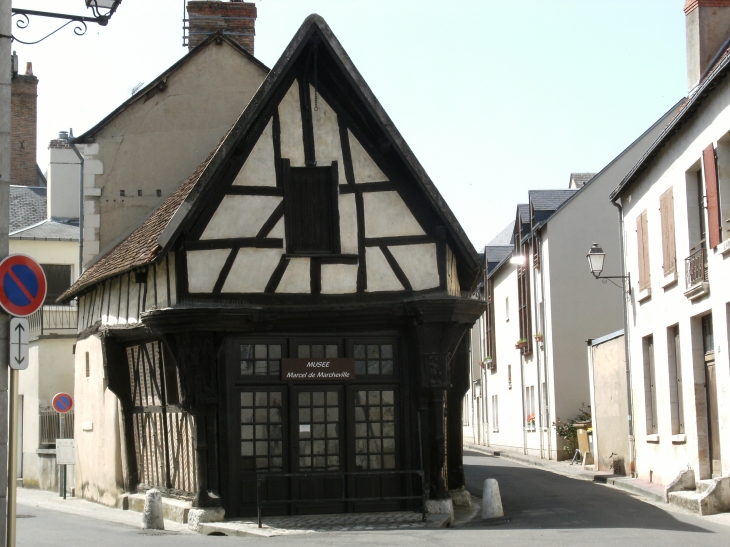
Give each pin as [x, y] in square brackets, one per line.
[318, 369]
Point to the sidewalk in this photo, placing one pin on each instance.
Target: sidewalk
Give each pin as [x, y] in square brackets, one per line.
[272, 526]
[28, 497]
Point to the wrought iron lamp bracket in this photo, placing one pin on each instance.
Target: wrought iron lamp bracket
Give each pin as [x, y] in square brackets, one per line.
[626, 284]
[80, 27]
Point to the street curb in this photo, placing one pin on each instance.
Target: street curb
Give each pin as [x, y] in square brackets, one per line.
[548, 465]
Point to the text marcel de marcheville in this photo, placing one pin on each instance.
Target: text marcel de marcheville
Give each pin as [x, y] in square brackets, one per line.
[317, 373]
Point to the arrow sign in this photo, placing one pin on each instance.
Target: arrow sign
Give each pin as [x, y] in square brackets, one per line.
[19, 343]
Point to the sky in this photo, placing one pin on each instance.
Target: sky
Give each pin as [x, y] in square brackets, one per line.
[495, 98]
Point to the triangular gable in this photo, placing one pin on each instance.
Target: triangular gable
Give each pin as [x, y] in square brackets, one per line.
[146, 92]
[375, 154]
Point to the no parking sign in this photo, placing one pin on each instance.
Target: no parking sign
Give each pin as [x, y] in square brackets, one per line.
[22, 285]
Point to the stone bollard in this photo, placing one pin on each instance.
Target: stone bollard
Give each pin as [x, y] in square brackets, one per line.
[152, 513]
[491, 500]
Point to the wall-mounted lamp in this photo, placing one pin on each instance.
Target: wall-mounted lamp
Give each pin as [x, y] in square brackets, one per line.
[596, 257]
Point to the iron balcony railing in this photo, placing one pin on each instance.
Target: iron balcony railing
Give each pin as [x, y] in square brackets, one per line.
[695, 267]
[49, 426]
[53, 320]
[261, 477]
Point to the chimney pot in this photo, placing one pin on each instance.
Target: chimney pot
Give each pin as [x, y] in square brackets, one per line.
[29, 69]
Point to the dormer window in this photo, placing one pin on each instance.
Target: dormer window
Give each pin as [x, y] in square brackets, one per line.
[310, 210]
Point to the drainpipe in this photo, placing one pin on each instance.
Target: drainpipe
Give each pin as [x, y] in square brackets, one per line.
[629, 390]
[81, 200]
[537, 350]
[545, 352]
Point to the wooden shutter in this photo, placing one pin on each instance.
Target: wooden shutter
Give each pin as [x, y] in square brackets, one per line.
[642, 233]
[669, 248]
[711, 191]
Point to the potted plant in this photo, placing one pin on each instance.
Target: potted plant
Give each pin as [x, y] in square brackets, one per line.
[487, 362]
[538, 336]
[521, 343]
[531, 420]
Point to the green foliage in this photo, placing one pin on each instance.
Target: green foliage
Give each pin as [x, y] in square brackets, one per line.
[566, 429]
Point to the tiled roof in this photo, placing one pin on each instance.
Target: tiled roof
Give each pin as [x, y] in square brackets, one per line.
[549, 200]
[27, 206]
[497, 254]
[48, 230]
[685, 111]
[141, 247]
[505, 237]
[577, 180]
[523, 210]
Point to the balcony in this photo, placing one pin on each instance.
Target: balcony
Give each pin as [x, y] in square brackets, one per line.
[53, 320]
[695, 269]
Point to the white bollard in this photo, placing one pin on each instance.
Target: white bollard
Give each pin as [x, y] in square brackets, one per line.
[152, 514]
[491, 500]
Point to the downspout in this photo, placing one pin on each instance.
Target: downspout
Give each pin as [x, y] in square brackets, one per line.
[545, 339]
[537, 350]
[81, 200]
[522, 391]
[629, 390]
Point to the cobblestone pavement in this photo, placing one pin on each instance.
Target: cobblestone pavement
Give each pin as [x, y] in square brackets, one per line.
[352, 522]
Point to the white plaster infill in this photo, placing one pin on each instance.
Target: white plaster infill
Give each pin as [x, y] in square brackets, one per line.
[697, 290]
[652, 438]
[669, 279]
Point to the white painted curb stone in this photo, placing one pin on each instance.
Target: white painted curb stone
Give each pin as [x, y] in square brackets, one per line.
[491, 500]
[152, 518]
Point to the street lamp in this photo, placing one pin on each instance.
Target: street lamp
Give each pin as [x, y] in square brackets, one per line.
[101, 9]
[596, 258]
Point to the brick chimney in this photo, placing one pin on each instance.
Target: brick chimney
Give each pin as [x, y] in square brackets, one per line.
[236, 19]
[708, 28]
[23, 128]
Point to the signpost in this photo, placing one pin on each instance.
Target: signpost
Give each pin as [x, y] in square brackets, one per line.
[62, 403]
[22, 292]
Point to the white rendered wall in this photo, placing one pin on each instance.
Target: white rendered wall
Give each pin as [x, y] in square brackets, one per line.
[663, 458]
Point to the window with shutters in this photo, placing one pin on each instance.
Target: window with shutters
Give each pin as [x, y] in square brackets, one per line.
[669, 251]
[649, 386]
[674, 362]
[642, 232]
[722, 154]
[696, 259]
[310, 210]
[709, 164]
[523, 304]
[490, 341]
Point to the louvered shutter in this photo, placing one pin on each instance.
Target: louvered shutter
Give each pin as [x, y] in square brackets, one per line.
[711, 191]
[669, 252]
[643, 248]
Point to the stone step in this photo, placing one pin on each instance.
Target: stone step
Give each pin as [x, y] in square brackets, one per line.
[172, 509]
[710, 498]
[687, 500]
[703, 485]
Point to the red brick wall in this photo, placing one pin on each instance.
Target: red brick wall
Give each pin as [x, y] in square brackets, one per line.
[23, 130]
[235, 19]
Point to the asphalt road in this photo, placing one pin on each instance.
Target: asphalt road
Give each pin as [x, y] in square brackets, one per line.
[542, 506]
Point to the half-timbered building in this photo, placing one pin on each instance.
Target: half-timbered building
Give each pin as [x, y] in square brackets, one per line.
[291, 317]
